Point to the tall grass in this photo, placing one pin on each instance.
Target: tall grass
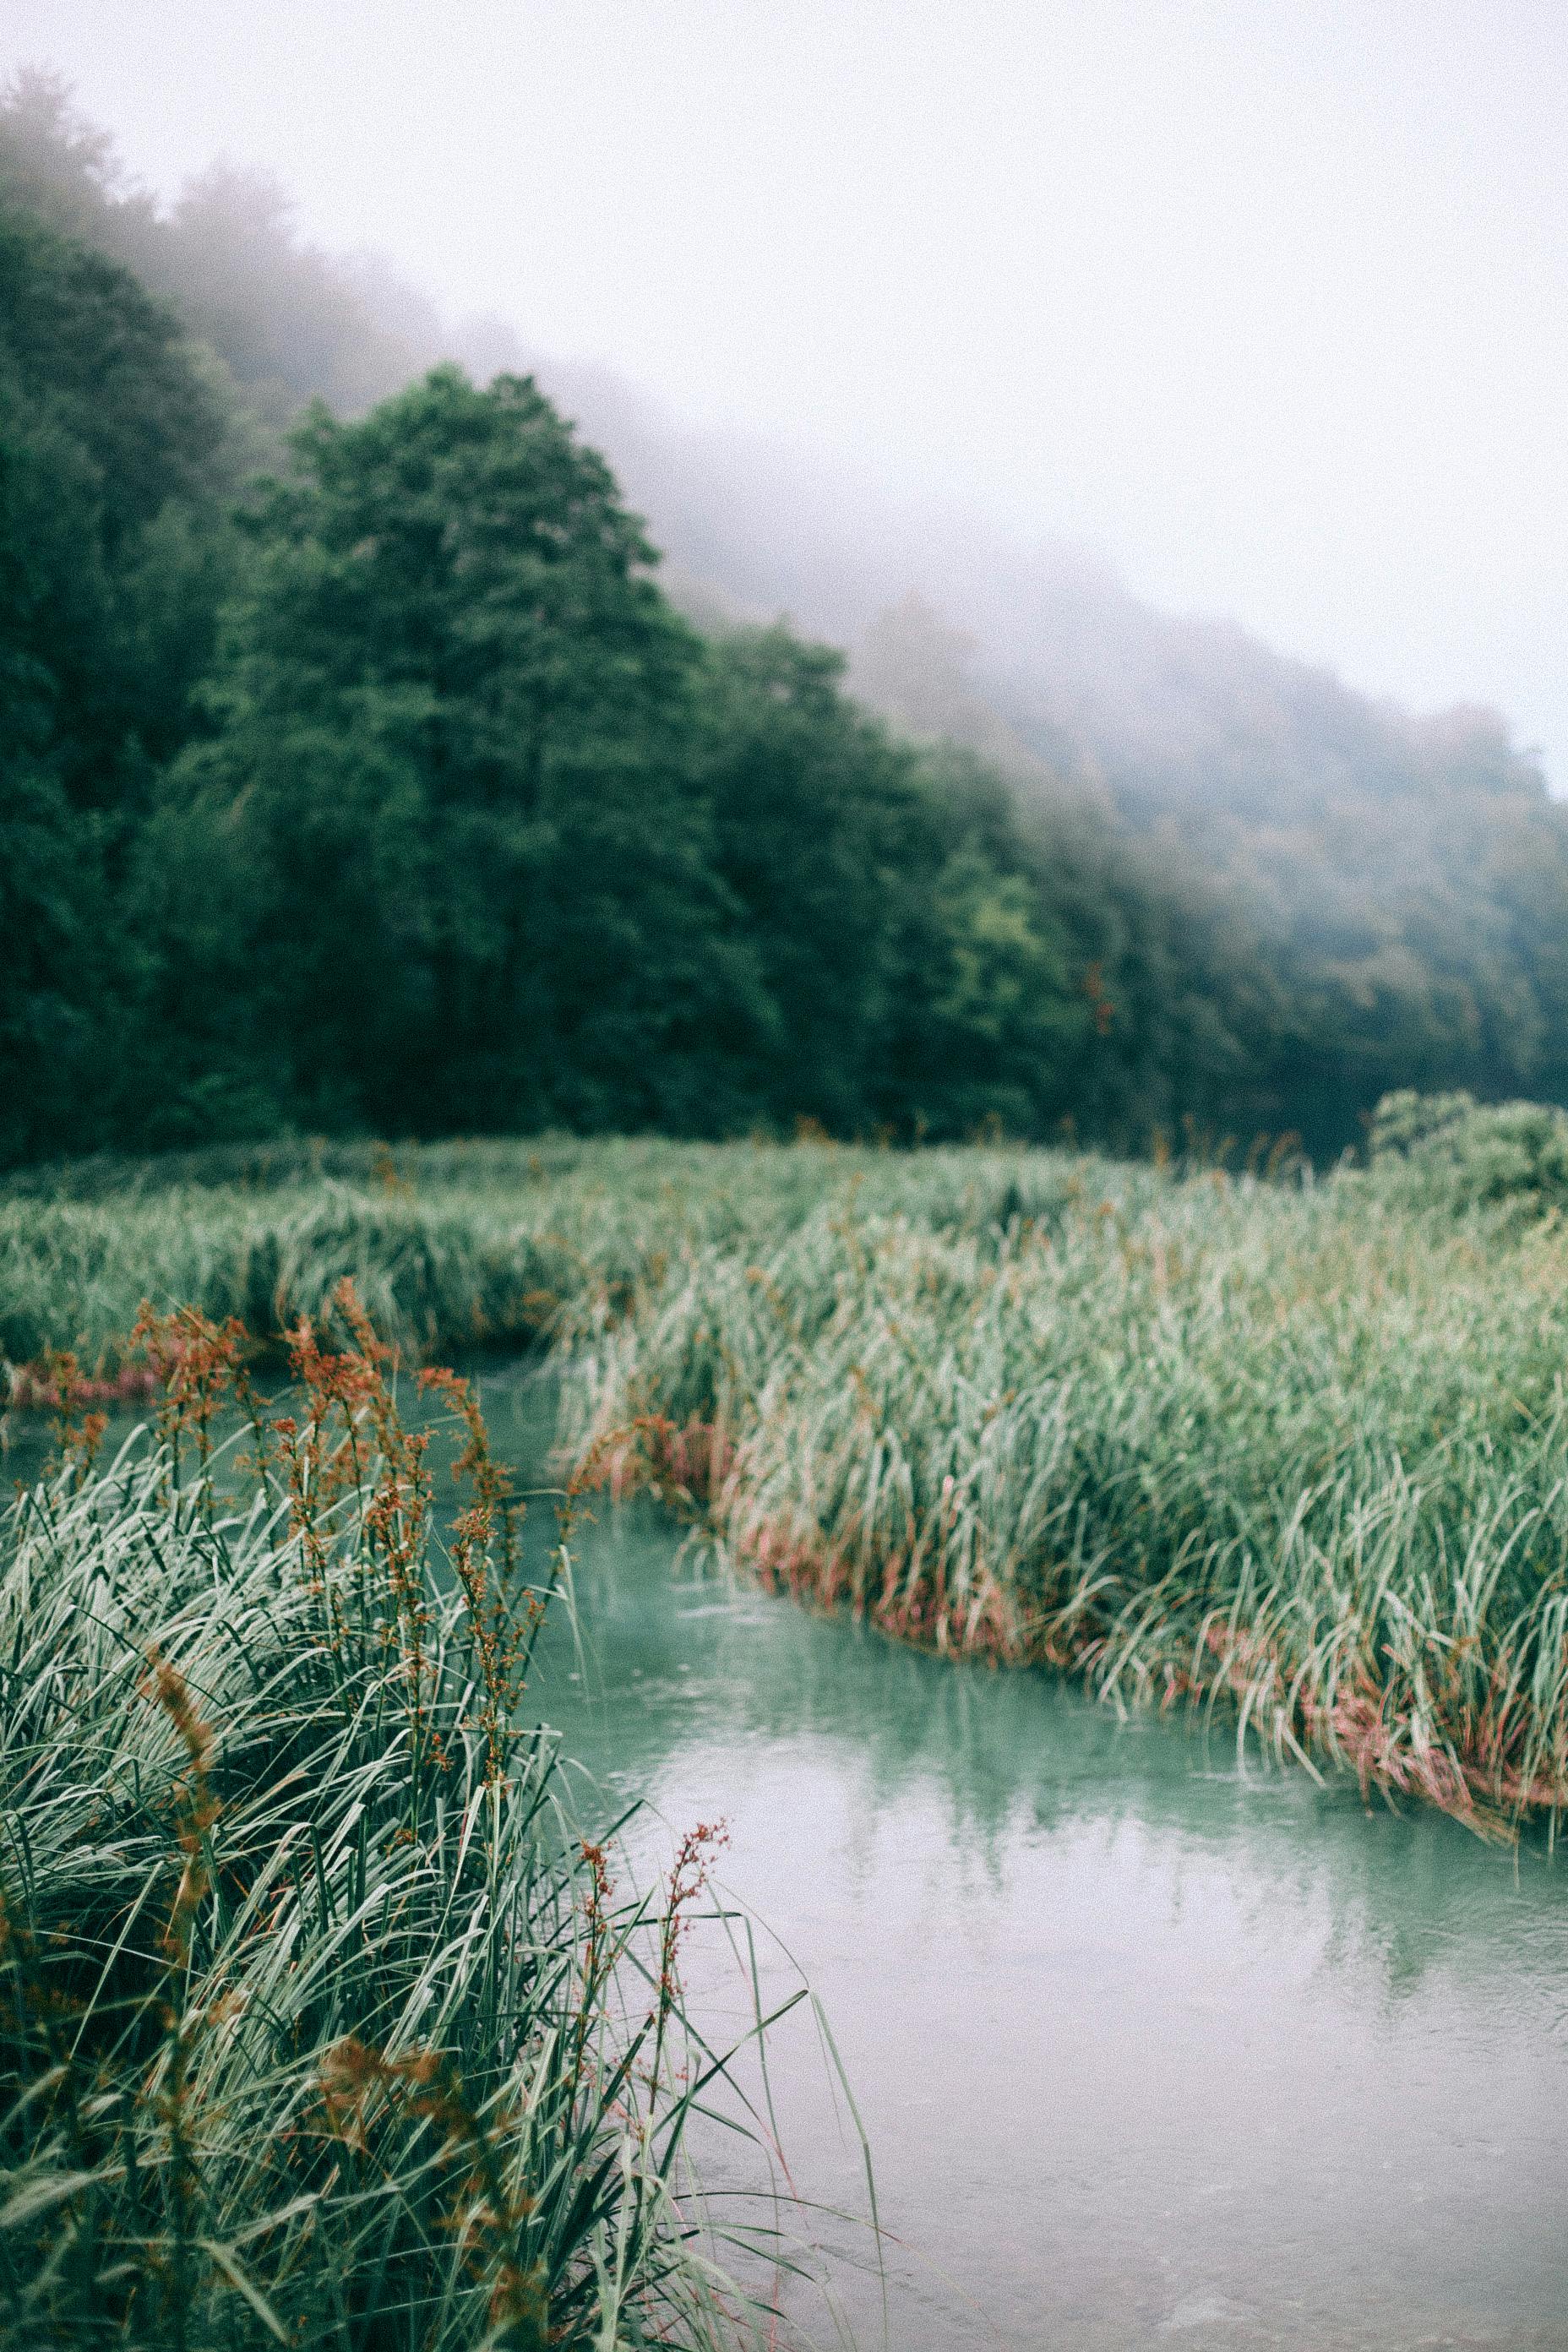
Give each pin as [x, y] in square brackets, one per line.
[319, 2025]
[1291, 1448]
[1300, 1452]
[450, 1246]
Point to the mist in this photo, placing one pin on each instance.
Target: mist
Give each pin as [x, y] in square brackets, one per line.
[837, 721]
[1308, 892]
[1261, 304]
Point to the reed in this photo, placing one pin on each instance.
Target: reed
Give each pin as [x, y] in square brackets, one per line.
[1282, 1446]
[450, 1246]
[1297, 1452]
[321, 2024]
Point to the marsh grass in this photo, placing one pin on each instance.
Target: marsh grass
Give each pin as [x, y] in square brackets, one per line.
[458, 1247]
[1298, 1455]
[321, 2022]
[1285, 1448]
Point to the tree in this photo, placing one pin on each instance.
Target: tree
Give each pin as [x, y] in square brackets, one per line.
[451, 719]
[109, 558]
[818, 826]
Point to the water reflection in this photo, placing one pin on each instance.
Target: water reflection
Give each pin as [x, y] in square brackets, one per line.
[675, 1663]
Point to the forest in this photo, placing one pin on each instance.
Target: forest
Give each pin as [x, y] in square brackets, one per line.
[361, 778]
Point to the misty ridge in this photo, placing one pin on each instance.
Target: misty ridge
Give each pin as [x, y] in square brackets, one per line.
[1039, 659]
[1380, 895]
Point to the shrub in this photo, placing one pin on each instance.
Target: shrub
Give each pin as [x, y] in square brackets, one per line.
[1462, 1154]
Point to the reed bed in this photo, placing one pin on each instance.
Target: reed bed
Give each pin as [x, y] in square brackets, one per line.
[1284, 1445]
[1297, 1450]
[450, 1246]
[321, 2025]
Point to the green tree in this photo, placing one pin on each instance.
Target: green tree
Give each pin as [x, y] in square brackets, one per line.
[818, 823]
[111, 556]
[448, 769]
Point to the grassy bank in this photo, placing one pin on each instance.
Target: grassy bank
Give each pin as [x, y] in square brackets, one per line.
[1302, 1452]
[1294, 1447]
[320, 2024]
[450, 1246]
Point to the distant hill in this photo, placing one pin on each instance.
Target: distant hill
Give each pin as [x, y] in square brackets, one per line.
[1408, 876]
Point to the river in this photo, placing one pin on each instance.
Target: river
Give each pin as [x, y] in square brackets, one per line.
[1154, 2046]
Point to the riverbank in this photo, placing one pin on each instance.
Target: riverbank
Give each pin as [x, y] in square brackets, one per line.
[1152, 2045]
[1300, 1457]
[1288, 1449]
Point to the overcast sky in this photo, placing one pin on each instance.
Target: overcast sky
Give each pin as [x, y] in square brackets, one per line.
[1266, 300]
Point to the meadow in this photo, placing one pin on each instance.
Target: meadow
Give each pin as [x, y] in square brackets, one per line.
[1283, 1447]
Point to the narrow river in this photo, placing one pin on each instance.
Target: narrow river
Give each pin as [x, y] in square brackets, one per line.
[1153, 2048]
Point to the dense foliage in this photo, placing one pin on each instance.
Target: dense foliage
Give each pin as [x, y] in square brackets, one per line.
[112, 552]
[1447, 1150]
[1399, 885]
[392, 793]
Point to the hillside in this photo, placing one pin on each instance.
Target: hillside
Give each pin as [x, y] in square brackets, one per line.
[1376, 899]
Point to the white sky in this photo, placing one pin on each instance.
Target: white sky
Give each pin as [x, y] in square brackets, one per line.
[1268, 299]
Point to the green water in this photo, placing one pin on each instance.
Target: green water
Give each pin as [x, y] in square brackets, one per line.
[1153, 2048]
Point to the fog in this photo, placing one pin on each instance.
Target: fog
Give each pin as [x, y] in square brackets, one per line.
[1258, 303]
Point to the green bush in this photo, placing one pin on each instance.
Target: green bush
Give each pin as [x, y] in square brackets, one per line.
[1462, 1154]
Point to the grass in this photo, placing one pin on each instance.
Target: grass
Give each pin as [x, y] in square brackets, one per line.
[1300, 1453]
[450, 1246]
[1294, 1449]
[319, 2022]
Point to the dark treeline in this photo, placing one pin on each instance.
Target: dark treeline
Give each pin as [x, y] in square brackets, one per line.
[390, 792]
